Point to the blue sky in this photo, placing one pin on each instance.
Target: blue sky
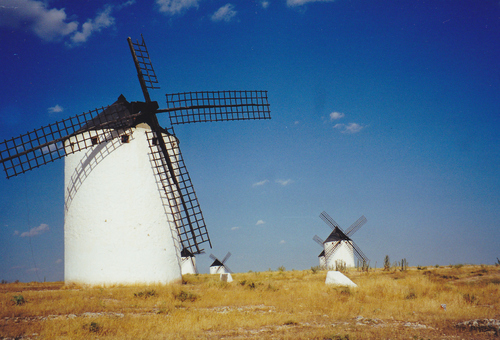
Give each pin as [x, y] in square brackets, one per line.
[388, 109]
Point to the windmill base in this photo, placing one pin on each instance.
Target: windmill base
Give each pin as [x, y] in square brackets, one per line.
[337, 278]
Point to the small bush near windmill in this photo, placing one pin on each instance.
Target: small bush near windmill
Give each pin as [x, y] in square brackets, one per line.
[145, 294]
[404, 265]
[498, 262]
[185, 296]
[281, 269]
[387, 263]
[340, 266]
[315, 269]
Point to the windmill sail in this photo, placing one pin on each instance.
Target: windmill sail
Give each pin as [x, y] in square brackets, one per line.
[216, 106]
[47, 144]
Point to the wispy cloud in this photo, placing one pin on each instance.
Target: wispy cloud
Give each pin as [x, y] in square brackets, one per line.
[293, 3]
[336, 115]
[225, 13]
[235, 228]
[284, 182]
[52, 24]
[260, 222]
[42, 228]
[55, 109]
[260, 183]
[282, 242]
[264, 4]
[349, 128]
[175, 7]
[102, 20]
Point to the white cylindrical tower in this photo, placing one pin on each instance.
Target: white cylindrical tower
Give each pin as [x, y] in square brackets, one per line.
[344, 252]
[116, 229]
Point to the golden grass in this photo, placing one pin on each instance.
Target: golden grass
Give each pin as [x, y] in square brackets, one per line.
[278, 305]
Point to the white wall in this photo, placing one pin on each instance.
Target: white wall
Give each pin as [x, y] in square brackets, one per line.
[115, 229]
[344, 252]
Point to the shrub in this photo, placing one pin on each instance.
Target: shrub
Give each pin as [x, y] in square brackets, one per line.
[315, 269]
[18, 300]
[185, 296]
[340, 266]
[145, 294]
[387, 262]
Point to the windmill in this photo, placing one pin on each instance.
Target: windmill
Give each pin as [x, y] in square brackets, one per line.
[321, 256]
[219, 266]
[188, 262]
[339, 245]
[130, 207]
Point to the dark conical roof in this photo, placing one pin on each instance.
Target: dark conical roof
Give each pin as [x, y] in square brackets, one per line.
[336, 235]
[119, 110]
[216, 263]
[186, 253]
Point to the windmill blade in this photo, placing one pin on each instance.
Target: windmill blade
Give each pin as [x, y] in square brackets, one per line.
[144, 67]
[359, 254]
[212, 256]
[226, 257]
[228, 269]
[330, 221]
[212, 106]
[332, 250]
[178, 191]
[54, 141]
[355, 226]
[318, 240]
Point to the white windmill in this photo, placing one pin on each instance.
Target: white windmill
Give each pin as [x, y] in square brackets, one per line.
[219, 266]
[339, 247]
[188, 262]
[130, 207]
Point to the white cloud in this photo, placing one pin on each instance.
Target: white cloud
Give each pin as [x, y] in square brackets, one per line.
[36, 231]
[265, 4]
[51, 24]
[282, 242]
[102, 20]
[48, 24]
[284, 182]
[225, 13]
[235, 228]
[336, 115]
[173, 7]
[16, 232]
[260, 222]
[349, 128]
[260, 183]
[293, 3]
[55, 109]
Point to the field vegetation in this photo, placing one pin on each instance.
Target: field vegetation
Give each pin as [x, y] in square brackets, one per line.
[389, 303]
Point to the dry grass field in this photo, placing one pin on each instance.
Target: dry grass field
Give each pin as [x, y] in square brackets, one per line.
[283, 304]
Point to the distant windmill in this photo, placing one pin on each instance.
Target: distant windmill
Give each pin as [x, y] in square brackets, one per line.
[188, 262]
[130, 207]
[339, 246]
[321, 256]
[218, 266]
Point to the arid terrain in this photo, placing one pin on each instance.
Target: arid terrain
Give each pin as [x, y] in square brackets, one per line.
[452, 302]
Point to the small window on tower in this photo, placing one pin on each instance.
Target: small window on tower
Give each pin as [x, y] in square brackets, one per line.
[125, 138]
[95, 140]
